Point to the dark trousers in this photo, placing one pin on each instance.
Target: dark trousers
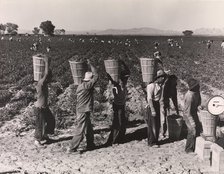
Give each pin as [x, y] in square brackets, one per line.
[84, 127]
[45, 123]
[153, 124]
[164, 110]
[117, 134]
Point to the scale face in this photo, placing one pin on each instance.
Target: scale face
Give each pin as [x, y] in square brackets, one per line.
[216, 105]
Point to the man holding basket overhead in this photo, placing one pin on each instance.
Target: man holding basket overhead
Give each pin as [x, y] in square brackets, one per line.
[84, 107]
[45, 121]
[119, 92]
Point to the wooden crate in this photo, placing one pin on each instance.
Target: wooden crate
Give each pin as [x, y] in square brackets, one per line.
[217, 158]
[203, 149]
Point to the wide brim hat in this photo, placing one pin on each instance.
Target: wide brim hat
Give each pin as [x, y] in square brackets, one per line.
[192, 83]
[160, 73]
[88, 76]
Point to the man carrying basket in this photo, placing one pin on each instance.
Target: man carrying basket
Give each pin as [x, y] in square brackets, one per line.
[45, 121]
[120, 92]
[84, 107]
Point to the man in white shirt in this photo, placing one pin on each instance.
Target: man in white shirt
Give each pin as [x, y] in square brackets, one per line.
[154, 92]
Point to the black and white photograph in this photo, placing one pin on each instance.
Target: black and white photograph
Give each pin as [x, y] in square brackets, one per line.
[111, 86]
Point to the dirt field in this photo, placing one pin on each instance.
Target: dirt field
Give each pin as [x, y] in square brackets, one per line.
[18, 153]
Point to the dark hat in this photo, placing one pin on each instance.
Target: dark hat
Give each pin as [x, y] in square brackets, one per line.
[192, 83]
[124, 74]
[160, 73]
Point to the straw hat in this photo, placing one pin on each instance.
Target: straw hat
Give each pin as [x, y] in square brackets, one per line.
[88, 76]
[192, 83]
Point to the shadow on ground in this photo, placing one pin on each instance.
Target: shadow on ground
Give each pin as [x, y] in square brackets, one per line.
[60, 139]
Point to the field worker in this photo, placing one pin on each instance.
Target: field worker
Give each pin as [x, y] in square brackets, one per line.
[154, 92]
[222, 46]
[45, 121]
[158, 57]
[209, 43]
[34, 46]
[156, 45]
[48, 49]
[117, 134]
[192, 100]
[169, 91]
[84, 107]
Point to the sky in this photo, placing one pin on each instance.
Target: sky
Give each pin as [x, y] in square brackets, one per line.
[85, 15]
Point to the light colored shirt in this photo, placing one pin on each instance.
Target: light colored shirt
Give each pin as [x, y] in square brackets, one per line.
[191, 102]
[154, 92]
[222, 45]
[84, 94]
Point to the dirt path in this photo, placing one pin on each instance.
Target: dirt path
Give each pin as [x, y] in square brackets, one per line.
[19, 154]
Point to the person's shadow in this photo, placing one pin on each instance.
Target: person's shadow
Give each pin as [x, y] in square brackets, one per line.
[59, 139]
[139, 134]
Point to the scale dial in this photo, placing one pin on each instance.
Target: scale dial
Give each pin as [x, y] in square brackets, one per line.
[216, 105]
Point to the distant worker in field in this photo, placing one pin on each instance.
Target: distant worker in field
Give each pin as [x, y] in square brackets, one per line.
[119, 90]
[192, 101]
[169, 91]
[222, 46]
[156, 45]
[84, 107]
[34, 46]
[48, 49]
[158, 57]
[170, 42]
[45, 121]
[209, 44]
[154, 93]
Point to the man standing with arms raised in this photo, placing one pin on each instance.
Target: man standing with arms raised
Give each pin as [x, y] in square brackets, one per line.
[84, 107]
[45, 121]
[118, 130]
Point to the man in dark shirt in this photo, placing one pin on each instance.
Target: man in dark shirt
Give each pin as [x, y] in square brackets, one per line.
[84, 107]
[119, 120]
[169, 91]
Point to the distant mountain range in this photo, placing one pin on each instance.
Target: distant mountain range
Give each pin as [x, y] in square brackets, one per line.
[145, 31]
[209, 31]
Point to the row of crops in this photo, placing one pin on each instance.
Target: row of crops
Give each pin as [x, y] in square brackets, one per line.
[192, 59]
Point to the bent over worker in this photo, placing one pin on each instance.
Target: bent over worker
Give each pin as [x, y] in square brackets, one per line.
[84, 107]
